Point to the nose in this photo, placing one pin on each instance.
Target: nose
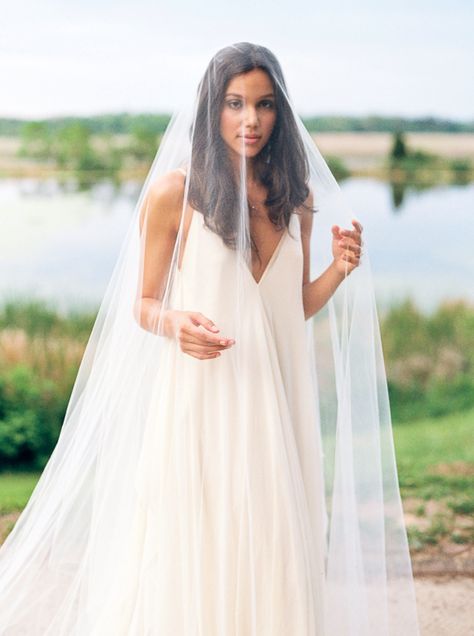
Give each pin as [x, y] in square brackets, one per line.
[251, 117]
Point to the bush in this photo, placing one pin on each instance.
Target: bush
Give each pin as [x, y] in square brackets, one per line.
[429, 359]
[31, 414]
[338, 168]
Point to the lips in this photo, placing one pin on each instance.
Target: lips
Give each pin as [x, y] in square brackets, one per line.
[251, 136]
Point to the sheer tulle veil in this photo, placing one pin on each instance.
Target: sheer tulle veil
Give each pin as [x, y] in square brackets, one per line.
[67, 558]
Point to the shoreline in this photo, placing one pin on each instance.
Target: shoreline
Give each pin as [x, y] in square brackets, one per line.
[364, 154]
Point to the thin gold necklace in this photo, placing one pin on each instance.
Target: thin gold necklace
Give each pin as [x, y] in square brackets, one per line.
[254, 207]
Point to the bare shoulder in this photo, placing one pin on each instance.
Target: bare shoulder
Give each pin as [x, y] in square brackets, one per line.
[164, 200]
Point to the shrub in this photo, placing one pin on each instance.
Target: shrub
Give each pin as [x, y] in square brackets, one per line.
[429, 359]
[31, 414]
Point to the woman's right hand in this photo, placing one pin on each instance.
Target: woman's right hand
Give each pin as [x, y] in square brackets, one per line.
[203, 344]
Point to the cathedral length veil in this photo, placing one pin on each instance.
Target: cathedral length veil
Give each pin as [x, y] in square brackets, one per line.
[90, 535]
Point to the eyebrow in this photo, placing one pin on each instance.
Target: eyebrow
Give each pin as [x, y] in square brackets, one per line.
[262, 96]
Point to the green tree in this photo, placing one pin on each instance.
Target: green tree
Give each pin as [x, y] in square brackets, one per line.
[143, 142]
[31, 414]
[35, 140]
[73, 148]
[399, 148]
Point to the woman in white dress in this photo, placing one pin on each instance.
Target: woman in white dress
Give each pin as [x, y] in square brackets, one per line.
[225, 467]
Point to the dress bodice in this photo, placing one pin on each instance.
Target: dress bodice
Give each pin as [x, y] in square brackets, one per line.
[209, 275]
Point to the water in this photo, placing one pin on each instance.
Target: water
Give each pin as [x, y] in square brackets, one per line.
[60, 244]
[423, 247]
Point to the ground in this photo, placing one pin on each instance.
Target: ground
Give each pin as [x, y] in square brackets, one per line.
[444, 586]
[445, 605]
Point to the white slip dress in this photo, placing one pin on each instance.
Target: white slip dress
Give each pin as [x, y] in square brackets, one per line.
[233, 539]
[223, 530]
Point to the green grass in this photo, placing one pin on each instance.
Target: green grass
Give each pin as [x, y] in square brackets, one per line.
[426, 444]
[15, 490]
[435, 459]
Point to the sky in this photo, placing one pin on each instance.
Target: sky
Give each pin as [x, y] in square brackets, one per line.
[85, 57]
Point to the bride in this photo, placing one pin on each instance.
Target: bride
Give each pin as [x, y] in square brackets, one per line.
[226, 465]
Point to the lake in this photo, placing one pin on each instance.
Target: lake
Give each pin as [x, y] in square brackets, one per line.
[60, 243]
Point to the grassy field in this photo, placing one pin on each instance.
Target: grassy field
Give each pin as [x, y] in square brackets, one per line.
[436, 472]
[15, 490]
[377, 145]
[435, 459]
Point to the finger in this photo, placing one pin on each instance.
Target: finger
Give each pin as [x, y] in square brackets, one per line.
[200, 356]
[349, 243]
[200, 319]
[353, 259]
[352, 235]
[350, 246]
[201, 352]
[358, 225]
[196, 336]
[192, 327]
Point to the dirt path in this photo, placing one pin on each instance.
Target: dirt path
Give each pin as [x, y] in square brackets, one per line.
[445, 605]
[445, 601]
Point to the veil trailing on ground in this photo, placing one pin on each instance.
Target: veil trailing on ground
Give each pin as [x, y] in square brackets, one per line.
[117, 494]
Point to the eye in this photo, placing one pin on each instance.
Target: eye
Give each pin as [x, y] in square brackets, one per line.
[233, 103]
[267, 103]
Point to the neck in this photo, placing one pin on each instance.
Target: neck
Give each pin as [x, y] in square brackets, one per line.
[249, 167]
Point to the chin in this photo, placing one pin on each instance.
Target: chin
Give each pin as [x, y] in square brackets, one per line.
[248, 152]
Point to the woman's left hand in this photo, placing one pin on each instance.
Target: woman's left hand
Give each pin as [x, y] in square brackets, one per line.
[347, 247]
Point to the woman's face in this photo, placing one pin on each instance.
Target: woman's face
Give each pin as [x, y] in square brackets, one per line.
[248, 113]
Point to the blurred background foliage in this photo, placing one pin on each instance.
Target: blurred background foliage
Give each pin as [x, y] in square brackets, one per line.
[429, 358]
[429, 361]
[122, 144]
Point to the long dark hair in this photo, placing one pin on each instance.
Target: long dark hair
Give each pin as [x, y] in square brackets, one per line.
[281, 166]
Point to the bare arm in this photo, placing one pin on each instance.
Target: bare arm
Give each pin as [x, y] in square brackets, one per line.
[316, 293]
[346, 249]
[159, 222]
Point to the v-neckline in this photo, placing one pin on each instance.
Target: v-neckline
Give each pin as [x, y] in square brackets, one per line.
[268, 265]
[270, 261]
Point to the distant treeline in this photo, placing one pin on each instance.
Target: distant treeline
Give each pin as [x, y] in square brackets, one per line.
[123, 123]
[375, 123]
